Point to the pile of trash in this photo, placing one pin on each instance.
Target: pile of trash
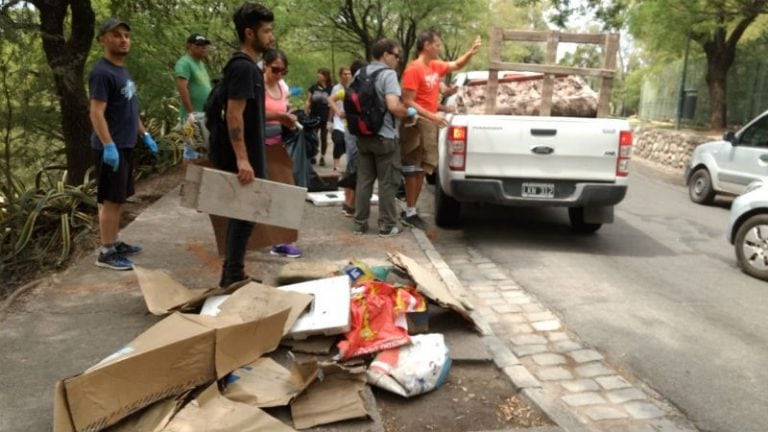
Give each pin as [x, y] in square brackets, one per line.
[571, 97]
[220, 360]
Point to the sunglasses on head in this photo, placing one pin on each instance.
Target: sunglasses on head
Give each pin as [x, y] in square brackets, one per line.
[278, 70]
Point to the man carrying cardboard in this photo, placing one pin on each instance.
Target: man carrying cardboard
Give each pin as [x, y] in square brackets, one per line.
[421, 90]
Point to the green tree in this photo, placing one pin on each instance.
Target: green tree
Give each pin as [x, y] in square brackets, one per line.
[67, 31]
[716, 26]
[354, 25]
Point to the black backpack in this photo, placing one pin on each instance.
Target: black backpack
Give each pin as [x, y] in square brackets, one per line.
[364, 110]
[215, 109]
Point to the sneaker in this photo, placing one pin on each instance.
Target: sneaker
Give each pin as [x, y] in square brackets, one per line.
[286, 250]
[391, 232]
[113, 260]
[360, 229]
[415, 221]
[347, 210]
[125, 249]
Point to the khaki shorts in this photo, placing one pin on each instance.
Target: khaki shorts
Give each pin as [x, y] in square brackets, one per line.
[418, 145]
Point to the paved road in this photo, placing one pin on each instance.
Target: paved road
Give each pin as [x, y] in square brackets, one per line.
[657, 292]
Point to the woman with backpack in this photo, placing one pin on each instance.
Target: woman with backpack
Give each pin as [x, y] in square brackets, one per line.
[279, 162]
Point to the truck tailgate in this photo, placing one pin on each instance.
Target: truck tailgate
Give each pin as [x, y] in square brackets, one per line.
[542, 147]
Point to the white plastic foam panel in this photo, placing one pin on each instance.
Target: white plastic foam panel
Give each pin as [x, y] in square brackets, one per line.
[329, 310]
[333, 198]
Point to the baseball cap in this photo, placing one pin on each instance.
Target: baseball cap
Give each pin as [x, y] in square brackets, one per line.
[198, 39]
[111, 24]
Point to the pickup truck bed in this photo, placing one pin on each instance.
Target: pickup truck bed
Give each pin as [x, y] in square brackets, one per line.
[580, 163]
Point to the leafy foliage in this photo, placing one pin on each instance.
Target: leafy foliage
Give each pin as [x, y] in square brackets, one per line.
[40, 224]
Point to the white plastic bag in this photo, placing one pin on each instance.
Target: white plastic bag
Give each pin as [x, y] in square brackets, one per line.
[412, 369]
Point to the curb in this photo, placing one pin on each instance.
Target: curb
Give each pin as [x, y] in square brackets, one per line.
[529, 388]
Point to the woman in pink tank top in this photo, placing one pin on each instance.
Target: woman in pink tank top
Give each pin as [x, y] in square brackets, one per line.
[279, 163]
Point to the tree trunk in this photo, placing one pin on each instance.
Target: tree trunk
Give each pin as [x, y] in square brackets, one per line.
[717, 85]
[67, 57]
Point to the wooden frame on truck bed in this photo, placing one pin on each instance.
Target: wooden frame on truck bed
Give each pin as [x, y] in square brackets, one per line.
[610, 44]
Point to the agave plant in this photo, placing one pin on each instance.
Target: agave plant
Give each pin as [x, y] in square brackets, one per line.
[40, 224]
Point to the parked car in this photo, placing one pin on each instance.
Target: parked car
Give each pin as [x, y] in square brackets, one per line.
[748, 230]
[729, 165]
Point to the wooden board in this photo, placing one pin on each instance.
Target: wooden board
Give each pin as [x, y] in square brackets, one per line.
[263, 201]
[610, 44]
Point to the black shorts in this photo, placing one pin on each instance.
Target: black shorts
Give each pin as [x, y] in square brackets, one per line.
[339, 146]
[114, 186]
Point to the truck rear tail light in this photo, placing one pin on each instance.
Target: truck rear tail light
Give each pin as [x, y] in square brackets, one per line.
[625, 153]
[457, 147]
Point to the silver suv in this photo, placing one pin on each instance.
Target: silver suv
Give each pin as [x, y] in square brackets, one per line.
[728, 166]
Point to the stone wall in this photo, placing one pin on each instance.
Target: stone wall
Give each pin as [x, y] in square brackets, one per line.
[670, 148]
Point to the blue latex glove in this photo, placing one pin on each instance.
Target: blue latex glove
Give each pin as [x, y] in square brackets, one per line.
[150, 142]
[411, 111]
[110, 156]
[190, 154]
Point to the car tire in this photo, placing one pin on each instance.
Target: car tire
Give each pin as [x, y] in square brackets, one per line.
[576, 216]
[700, 187]
[751, 246]
[447, 209]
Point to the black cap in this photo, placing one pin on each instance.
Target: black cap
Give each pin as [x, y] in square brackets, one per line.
[198, 39]
[111, 24]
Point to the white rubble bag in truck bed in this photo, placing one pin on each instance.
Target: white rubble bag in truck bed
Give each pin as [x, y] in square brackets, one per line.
[573, 162]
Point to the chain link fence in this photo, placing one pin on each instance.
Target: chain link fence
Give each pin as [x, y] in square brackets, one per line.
[747, 91]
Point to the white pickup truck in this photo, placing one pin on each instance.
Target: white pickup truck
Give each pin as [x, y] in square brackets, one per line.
[529, 161]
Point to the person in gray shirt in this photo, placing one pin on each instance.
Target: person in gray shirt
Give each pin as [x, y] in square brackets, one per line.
[379, 155]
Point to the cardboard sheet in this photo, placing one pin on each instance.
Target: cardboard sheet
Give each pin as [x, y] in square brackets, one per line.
[152, 419]
[254, 301]
[177, 354]
[335, 396]
[212, 412]
[163, 294]
[302, 271]
[431, 286]
[265, 383]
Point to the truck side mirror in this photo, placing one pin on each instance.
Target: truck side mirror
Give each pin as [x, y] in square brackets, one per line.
[729, 136]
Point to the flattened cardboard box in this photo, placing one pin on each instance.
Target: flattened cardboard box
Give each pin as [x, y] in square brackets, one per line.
[265, 383]
[175, 355]
[211, 412]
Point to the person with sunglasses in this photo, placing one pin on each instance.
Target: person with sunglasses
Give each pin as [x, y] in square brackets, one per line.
[421, 90]
[378, 155]
[279, 162]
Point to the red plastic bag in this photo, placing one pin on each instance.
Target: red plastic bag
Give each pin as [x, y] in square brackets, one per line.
[376, 319]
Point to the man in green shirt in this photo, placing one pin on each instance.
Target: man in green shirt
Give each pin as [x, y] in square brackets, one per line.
[193, 84]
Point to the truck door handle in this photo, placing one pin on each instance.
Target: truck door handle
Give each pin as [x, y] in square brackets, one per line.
[544, 132]
[764, 157]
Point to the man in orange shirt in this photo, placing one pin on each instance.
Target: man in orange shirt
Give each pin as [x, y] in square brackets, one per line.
[421, 90]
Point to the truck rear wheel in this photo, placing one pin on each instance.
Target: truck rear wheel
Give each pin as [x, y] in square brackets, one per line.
[447, 209]
[576, 215]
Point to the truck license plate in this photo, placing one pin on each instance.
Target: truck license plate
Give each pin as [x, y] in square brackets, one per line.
[538, 190]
